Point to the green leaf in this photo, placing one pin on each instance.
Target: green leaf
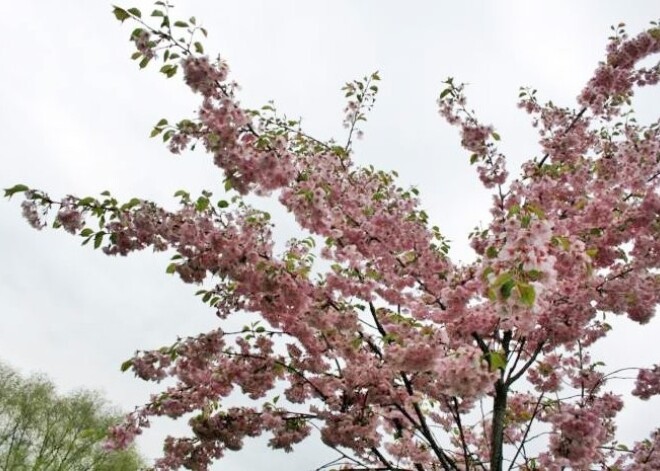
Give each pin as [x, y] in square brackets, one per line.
[98, 239]
[534, 275]
[126, 365]
[121, 14]
[144, 62]
[222, 204]
[162, 122]
[180, 24]
[9, 192]
[157, 13]
[445, 92]
[491, 252]
[501, 279]
[132, 203]
[492, 295]
[86, 232]
[172, 71]
[527, 294]
[136, 32]
[536, 210]
[495, 136]
[171, 268]
[561, 240]
[135, 12]
[199, 48]
[525, 221]
[155, 131]
[87, 201]
[497, 361]
[202, 203]
[506, 288]
[514, 209]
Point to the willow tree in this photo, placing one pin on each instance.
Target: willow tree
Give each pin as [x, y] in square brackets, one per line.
[43, 430]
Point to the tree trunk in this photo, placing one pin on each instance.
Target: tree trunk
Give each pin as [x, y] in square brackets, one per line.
[497, 440]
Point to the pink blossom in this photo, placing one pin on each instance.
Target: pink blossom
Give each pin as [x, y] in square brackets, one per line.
[204, 77]
[71, 219]
[31, 214]
[647, 383]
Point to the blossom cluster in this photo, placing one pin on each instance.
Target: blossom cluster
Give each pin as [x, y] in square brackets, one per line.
[388, 340]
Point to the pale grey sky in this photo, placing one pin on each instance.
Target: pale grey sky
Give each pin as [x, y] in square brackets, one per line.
[75, 114]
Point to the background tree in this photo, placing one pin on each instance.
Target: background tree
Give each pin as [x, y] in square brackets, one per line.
[395, 342]
[41, 430]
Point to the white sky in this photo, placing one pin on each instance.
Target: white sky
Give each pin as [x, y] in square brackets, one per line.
[75, 114]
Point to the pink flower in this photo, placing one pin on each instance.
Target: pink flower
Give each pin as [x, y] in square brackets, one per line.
[647, 383]
[203, 77]
[32, 215]
[71, 219]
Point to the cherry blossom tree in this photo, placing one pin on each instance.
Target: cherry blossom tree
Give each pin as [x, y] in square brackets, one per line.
[369, 336]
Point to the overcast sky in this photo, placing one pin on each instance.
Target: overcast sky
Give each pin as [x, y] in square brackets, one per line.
[75, 114]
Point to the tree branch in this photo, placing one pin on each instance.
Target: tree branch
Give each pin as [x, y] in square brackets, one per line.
[529, 426]
[570, 126]
[513, 378]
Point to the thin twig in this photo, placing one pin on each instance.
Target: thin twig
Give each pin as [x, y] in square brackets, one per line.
[512, 378]
[528, 428]
[570, 126]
